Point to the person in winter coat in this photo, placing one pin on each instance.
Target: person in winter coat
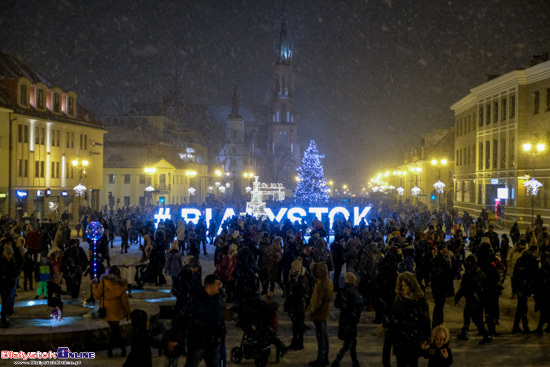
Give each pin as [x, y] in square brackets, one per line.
[54, 296]
[438, 352]
[202, 323]
[471, 288]
[224, 270]
[525, 277]
[515, 234]
[410, 320]
[140, 352]
[319, 311]
[8, 274]
[338, 258]
[75, 265]
[350, 304]
[513, 257]
[295, 303]
[112, 288]
[174, 262]
[442, 283]
[188, 281]
[274, 256]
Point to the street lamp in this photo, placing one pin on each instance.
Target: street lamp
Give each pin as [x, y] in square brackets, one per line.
[439, 186]
[533, 185]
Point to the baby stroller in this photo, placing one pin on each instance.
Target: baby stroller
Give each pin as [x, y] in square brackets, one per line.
[253, 318]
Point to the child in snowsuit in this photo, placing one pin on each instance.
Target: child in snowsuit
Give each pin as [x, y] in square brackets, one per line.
[54, 296]
[43, 276]
[438, 352]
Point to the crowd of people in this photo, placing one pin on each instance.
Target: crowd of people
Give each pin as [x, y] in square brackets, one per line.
[388, 261]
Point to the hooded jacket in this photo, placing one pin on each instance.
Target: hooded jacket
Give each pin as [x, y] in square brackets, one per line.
[113, 290]
[319, 306]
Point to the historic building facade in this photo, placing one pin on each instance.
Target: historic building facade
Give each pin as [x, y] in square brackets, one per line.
[49, 144]
[493, 123]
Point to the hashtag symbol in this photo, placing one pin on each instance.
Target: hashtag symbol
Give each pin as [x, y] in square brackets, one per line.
[162, 215]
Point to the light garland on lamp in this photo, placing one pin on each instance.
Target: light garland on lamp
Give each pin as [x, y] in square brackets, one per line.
[222, 189]
[391, 187]
[191, 190]
[532, 186]
[415, 190]
[248, 189]
[79, 189]
[94, 231]
[400, 191]
[439, 187]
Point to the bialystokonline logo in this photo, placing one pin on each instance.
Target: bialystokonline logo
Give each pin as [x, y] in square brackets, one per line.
[62, 353]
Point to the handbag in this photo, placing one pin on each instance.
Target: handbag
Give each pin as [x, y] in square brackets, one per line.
[102, 312]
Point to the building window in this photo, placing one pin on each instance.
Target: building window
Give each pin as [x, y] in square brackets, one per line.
[40, 98]
[71, 106]
[503, 107]
[547, 99]
[126, 201]
[20, 133]
[495, 111]
[20, 168]
[488, 114]
[536, 102]
[24, 97]
[127, 178]
[53, 170]
[36, 135]
[142, 179]
[512, 106]
[42, 164]
[56, 103]
[112, 178]
[487, 155]
[142, 200]
[36, 168]
[57, 170]
[480, 116]
[83, 141]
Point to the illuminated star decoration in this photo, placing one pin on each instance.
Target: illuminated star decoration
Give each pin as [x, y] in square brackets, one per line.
[248, 189]
[415, 190]
[228, 185]
[191, 190]
[79, 189]
[439, 187]
[391, 187]
[532, 186]
[222, 189]
[94, 231]
[401, 191]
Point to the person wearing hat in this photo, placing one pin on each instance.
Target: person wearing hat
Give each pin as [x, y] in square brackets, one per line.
[224, 270]
[8, 274]
[350, 304]
[295, 303]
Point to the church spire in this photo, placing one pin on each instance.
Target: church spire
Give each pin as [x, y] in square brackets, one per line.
[235, 104]
[285, 49]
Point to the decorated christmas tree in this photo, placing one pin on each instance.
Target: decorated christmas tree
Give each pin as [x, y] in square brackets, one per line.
[312, 186]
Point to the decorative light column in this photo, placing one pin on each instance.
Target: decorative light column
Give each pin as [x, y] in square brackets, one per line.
[80, 189]
[94, 231]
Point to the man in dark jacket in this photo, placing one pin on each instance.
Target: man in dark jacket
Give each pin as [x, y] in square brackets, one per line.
[350, 304]
[8, 273]
[442, 283]
[188, 281]
[202, 320]
[524, 279]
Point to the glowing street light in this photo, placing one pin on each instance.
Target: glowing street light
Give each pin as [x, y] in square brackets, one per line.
[533, 185]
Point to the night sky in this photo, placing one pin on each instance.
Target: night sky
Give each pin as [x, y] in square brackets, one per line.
[371, 76]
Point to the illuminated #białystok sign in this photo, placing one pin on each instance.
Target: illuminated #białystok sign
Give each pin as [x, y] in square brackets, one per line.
[192, 215]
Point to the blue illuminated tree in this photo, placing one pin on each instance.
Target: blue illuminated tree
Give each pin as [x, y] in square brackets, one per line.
[312, 186]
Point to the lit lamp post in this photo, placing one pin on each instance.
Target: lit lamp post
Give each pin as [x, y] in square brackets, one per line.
[250, 176]
[439, 186]
[80, 189]
[533, 185]
[416, 190]
[190, 174]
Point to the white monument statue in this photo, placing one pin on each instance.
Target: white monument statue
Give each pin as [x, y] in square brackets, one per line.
[256, 205]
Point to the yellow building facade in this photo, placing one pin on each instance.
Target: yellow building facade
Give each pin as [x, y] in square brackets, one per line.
[493, 123]
[49, 144]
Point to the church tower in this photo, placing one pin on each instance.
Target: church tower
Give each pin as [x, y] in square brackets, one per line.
[283, 132]
[233, 152]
